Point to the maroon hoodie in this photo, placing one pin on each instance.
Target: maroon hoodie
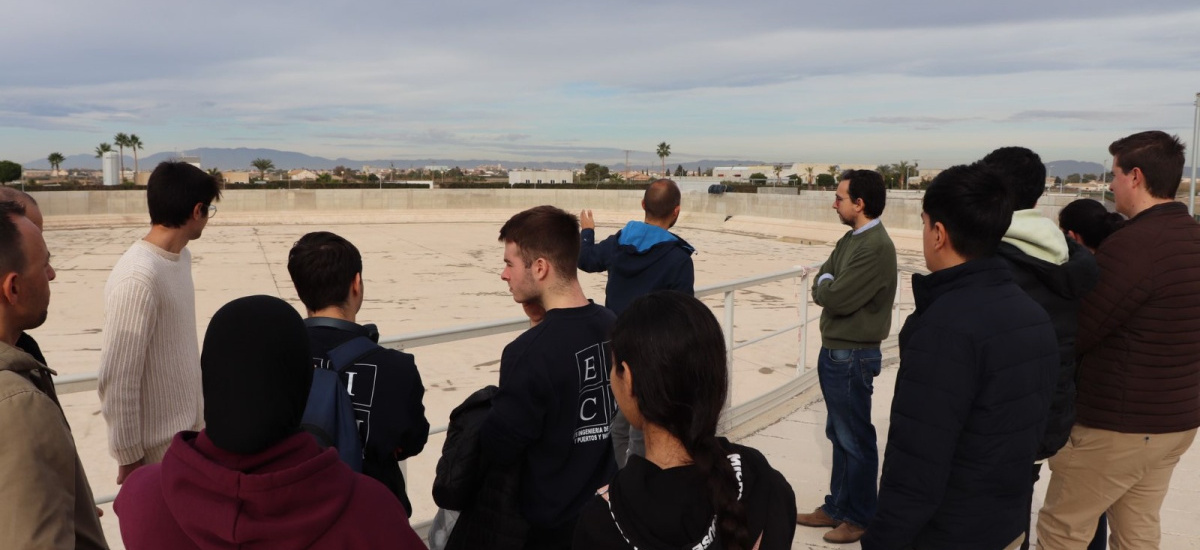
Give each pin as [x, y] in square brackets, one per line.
[292, 495]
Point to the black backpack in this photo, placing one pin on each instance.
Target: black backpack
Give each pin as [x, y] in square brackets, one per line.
[329, 414]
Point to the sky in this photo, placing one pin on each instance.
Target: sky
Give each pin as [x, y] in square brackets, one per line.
[940, 82]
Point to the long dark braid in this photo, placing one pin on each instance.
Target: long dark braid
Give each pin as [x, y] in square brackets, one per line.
[674, 346]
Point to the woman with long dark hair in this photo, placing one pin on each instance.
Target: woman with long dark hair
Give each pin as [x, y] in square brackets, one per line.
[693, 489]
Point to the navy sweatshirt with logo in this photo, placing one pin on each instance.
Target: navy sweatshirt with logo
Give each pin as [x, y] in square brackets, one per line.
[552, 414]
[386, 391]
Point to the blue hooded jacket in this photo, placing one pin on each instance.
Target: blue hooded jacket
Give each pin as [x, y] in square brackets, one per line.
[640, 259]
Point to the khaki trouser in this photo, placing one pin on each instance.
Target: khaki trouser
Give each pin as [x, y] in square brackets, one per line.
[1098, 470]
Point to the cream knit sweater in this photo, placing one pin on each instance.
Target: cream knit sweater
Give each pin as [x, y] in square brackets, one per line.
[150, 386]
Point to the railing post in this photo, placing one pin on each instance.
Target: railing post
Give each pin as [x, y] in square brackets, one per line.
[802, 363]
[729, 331]
[896, 301]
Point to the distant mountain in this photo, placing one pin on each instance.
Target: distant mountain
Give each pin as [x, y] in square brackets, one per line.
[240, 159]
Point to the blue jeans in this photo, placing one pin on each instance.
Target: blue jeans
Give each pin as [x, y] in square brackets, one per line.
[847, 380]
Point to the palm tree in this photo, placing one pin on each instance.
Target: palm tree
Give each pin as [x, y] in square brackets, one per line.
[902, 167]
[263, 165]
[56, 160]
[833, 172]
[778, 170]
[121, 140]
[664, 151]
[101, 149]
[810, 177]
[135, 143]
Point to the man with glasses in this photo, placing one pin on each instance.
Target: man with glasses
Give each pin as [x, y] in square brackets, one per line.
[150, 360]
[855, 287]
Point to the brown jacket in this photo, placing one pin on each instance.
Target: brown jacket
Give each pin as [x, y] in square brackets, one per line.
[45, 499]
[1139, 329]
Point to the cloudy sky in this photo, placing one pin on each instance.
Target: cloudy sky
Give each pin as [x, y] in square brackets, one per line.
[872, 81]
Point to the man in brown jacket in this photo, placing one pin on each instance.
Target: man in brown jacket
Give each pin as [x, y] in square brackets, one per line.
[1138, 404]
[45, 499]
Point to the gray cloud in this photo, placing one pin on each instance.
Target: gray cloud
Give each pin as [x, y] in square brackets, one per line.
[1090, 116]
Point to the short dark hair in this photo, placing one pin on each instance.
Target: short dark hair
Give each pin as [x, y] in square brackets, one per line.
[1022, 172]
[974, 206]
[12, 258]
[15, 195]
[1090, 220]
[1159, 156]
[674, 347]
[174, 189]
[323, 266]
[661, 198]
[545, 232]
[868, 186]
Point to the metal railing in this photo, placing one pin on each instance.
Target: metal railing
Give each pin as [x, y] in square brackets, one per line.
[734, 416]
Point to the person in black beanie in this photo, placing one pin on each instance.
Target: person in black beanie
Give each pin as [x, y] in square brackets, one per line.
[252, 478]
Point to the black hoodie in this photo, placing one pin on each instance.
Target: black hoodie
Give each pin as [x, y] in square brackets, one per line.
[1057, 288]
[652, 508]
[640, 259]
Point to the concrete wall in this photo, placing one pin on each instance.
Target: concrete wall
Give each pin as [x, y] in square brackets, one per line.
[903, 208]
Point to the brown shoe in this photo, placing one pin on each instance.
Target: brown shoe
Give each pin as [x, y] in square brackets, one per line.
[845, 533]
[818, 518]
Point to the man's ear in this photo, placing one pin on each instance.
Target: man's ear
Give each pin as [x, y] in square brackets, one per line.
[199, 211]
[540, 268]
[356, 286]
[8, 287]
[942, 239]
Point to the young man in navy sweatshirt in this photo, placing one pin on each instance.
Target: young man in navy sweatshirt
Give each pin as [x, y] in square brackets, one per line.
[552, 413]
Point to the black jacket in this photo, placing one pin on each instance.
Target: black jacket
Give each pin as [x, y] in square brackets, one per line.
[977, 365]
[658, 508]
[640, 259]
[487, 499]
[1058, 289]
[387, 393]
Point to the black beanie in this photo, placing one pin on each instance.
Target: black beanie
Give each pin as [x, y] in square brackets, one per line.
[257, 370]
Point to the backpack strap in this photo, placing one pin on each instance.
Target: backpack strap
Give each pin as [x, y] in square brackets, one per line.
[349, 352]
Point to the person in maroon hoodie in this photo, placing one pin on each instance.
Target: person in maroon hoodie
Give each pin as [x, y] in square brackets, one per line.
[252, 478]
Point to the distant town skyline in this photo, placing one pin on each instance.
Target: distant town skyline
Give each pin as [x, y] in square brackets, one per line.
[861, 81]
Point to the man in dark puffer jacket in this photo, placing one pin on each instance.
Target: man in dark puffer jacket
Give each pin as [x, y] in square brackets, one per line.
[1139, 370]
[977, 364]
[1053, 270]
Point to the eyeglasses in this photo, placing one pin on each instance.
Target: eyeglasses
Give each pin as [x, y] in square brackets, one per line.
[212, 210]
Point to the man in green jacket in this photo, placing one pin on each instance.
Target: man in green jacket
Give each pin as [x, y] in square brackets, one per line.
[45, 500]
[855, 287]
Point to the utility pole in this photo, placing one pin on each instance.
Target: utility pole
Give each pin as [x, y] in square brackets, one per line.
[1195, 141]
[627, 166]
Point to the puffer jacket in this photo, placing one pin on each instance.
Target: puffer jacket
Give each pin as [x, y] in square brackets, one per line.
[977, 365]
[1058, 288]
[486, 495]
[1138, 330]
[45, 499]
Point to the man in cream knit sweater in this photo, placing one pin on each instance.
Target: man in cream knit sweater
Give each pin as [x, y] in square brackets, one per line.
[150, 359]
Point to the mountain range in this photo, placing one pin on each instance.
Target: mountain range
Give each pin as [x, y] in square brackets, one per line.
[240, 159]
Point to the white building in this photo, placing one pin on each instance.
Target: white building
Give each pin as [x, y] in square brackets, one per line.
[302, 175]
[540, 176]
[110, 163]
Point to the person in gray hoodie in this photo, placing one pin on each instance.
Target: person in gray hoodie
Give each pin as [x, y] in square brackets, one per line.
[1053, 270]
